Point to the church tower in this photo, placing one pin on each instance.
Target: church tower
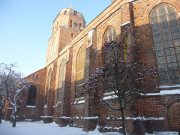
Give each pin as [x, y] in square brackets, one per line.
[66, 26]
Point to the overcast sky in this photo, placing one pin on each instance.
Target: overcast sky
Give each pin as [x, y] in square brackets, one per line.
[26, 26]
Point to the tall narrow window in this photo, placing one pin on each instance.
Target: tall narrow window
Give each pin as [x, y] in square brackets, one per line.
[75, 13]
[110, 56]
[110, 35]
[61, 80]
[48, 86]
[71, 35]
[65, 12]
[79, 25]
[53, 30]
[80, 71]
[166, 35]
[32, 95]
[70, 23]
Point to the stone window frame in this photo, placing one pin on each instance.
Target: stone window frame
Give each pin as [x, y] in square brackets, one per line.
[61, 81]
[80, 25]
[57, 25]
[170, 78]
[72, 35]
[109, 36]
[80, 71]
[70, 23]
[75, 13]
[65, 12]
[48, 86]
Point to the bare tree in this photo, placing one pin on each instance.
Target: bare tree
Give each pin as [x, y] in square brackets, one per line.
[11, 84]
[125, 79]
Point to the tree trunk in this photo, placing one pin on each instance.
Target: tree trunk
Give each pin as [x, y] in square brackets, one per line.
[123, 117]
[14, 117]
[14, 120]
[123, 122]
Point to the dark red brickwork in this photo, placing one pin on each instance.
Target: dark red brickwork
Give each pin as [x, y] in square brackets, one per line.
[149, 113]
[33, 112]
[175, 114]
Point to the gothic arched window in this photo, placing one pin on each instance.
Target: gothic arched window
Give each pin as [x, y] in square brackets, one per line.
[166, 35]
[110, 35]
[61, 80]
[48, 86]
[80, 70]
[32, 95]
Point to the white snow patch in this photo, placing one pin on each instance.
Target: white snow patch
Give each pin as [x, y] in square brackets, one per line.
[63, 25]
[81, 98]
[36, 128]
[110, 97]
[46, 116]
[86, 118]
[28, 120]
[57, 104]
[108, 118]
[64, 117]
[143, 118]
[45, 106]
[126, 23]
[30, 106]
[117, 128]
[148, 134]
[112, 127]
[138, 118]
[90, 34]
[81, 101]
[167, 86]
[165, 133]
[163, 92]
[109, 93]
[90, 118]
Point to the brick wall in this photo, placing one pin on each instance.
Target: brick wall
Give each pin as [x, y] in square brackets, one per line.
[34, 112]
[149, 113]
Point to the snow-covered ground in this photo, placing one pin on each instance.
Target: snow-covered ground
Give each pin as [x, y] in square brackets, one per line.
[39, 128]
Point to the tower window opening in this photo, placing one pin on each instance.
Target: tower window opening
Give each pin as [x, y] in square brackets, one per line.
[53, 30]
[65, 12]
[70, 23]
[75, 13]
[72, 35]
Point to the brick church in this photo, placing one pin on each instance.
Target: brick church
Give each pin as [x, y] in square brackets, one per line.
[74, 53]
